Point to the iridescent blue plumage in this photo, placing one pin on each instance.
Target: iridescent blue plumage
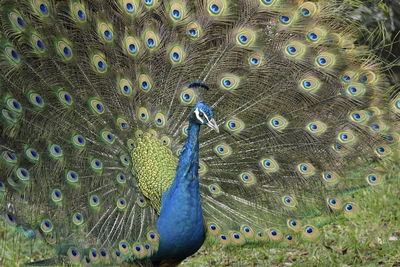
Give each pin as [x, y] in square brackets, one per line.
[181, 225]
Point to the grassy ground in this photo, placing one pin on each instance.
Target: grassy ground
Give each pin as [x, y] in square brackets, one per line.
[372, 238]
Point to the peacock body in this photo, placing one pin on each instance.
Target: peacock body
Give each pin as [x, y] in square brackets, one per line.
[110, 149]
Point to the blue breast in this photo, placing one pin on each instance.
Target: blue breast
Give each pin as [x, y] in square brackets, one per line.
[180, 225]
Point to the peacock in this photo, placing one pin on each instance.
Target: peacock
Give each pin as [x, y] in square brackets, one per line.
[134, 130]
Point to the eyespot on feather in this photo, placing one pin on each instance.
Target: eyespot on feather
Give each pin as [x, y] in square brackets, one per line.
[274, 234]
[215, 189]
[294, 224]
[269, 3]
[245, 37]
[330, 177]
[269, 164]
[150, 4]
[234, 125]
[78, 12]
[105, 31]
[94, 256]
[382, 150]
[247, 231]
[286, 19]
[13, 105]
[160, 120]
[151, 40]
[295, 49]
[37, 43]
[346, 137]
[94, 201]
[306, 169]
[64, 49]
[308, 9]
[340, 149]
[177, 11]
[130, 7]
[310, 232]
[236, 238]
[247, 178]
[289, 201]
[141, 202]
[350, 209]
[32, 155]
[107, 137]
[122, 123]
[12, 55]
[188, 97]
[78, 141]
[278, 123]
[41, 7]
[124, 160]
[202, 168]
[290, 239]
[74, 255]
[145, 83]
[46, 226]
[261, 236]
[125, 86]
[229, 82]
[255, 59]
[223, 239]
[99, 63]
[325, 60]
[96, 165]
[77, 219]
[96, 106]
[56, 195]
[17, 21]
[355, 90]
[359, 116]
[334, 203]
[316, 35]
[368, 77]
[217, 8]
[177, 54]
[166, 140]
[153, 237]
[142, 114]
[64, 97]
[223, 150]
[194, 30]
[55, 151]
[348, 76]
[316, 128]
[72, 177]
[131, 45]
[36, 100]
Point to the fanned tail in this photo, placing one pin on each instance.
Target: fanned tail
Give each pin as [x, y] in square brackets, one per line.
[94, 92]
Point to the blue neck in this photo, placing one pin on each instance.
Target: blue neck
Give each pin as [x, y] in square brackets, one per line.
[180, 224]
[188, 160]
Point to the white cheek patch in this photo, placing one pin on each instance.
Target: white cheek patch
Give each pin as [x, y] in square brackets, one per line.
[197, 112]
[205, 115]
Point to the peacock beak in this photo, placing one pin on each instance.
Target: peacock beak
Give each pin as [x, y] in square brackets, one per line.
[213, 125]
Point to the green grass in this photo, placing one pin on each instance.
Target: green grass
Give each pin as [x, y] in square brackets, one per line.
[371, 238]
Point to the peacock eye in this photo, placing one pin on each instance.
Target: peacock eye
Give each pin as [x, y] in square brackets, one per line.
[201, 114]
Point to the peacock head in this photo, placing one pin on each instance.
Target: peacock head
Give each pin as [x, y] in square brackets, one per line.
[203, 115]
